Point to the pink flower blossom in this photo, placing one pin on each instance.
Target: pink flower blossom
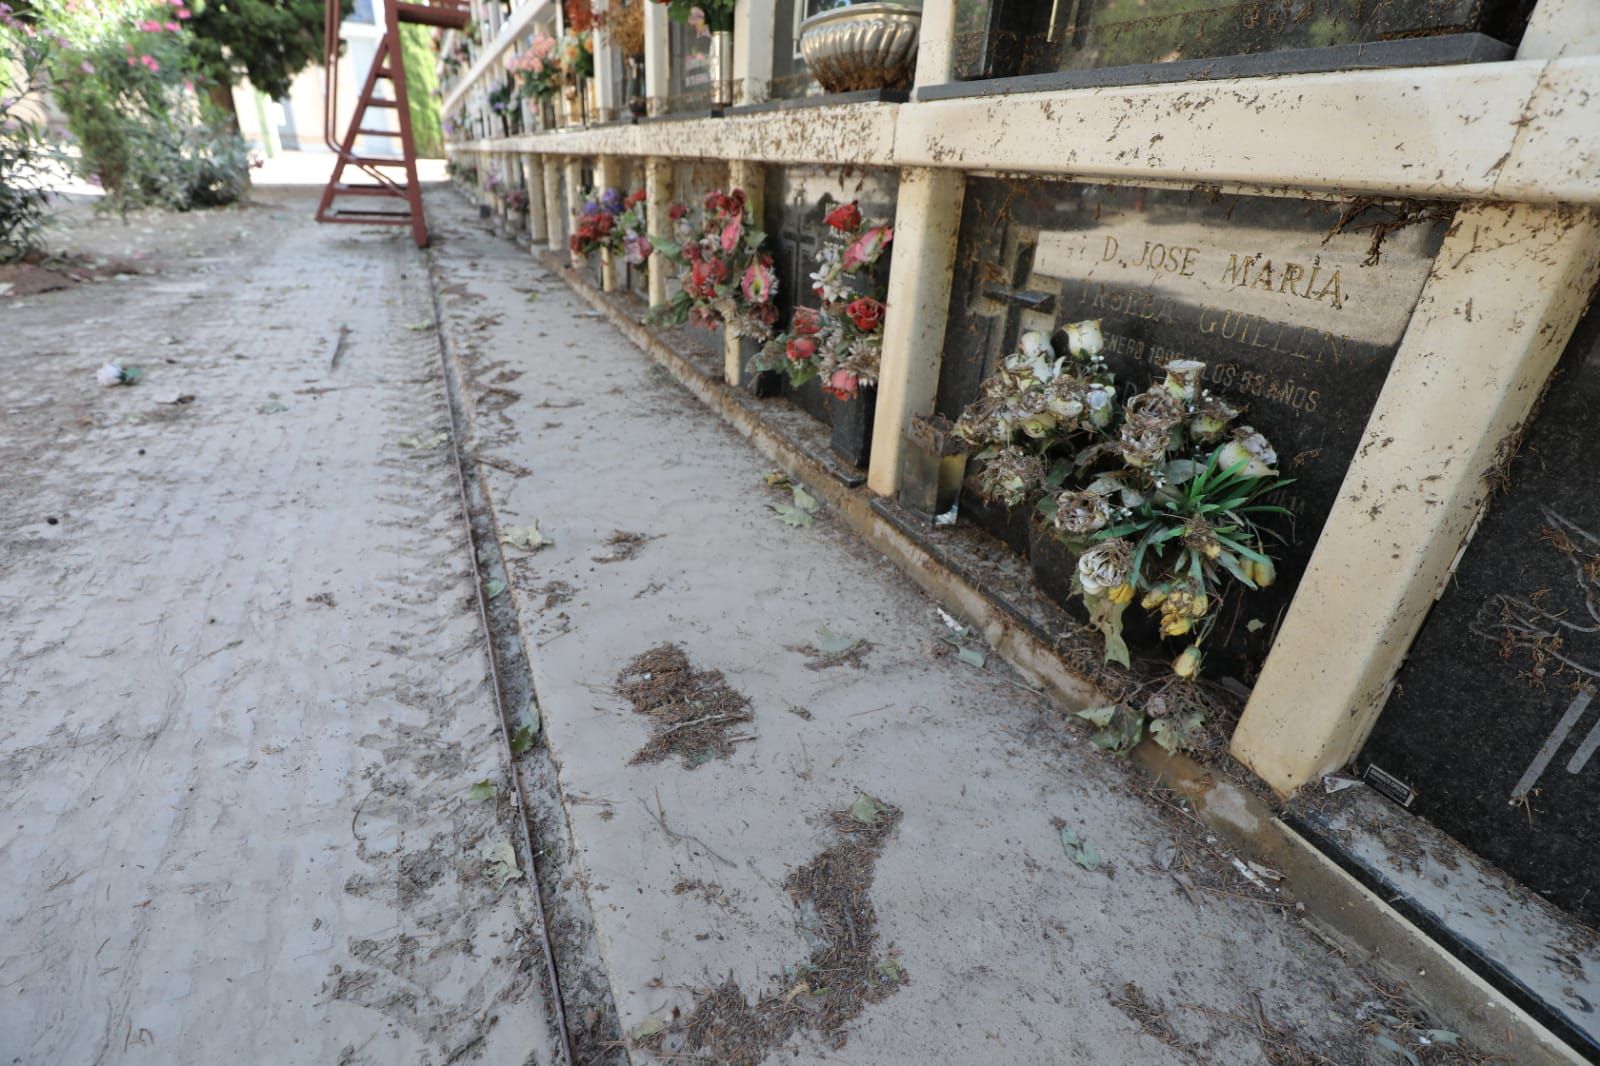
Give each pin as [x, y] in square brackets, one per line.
[150, 26]
[731, 234]
[842, 384]
[866, 248]
[760, 284]
[184, 12]
[173, 27]
[86, 66]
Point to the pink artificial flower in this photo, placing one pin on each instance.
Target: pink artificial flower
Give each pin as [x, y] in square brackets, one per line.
[866, 248]
[842, 384]
[150, 26]
[183, 12]
[150, 61]
[173, 27]
[86, 66]
[760, 284]
[806, 322]
[731, 234]
[188, 85]
[801, 349]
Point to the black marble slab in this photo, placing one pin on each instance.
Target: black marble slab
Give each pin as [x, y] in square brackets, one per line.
[1445, 50]
[1494, 722]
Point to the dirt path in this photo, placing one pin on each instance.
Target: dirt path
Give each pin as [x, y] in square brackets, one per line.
[243, 687]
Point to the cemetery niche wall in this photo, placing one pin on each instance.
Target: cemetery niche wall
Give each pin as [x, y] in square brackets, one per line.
[797, 200]
[1020, 38]
[1296, 306]
[1493, 729]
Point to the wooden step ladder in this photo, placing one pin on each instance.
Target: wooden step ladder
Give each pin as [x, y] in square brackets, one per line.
[375, 175]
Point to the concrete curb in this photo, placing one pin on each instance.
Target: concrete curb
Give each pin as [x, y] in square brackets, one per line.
[1349, 917]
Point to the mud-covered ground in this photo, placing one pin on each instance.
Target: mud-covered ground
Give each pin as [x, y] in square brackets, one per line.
[244, 695]
[255, 795]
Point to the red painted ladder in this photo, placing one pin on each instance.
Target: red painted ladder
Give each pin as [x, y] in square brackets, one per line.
[378, 185]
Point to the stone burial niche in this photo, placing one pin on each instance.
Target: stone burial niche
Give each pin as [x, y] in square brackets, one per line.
[1493, 728]
[797, 201]
[1077, 42]
[1296, 306]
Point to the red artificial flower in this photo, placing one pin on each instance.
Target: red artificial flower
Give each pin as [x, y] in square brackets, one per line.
[677, 211]
[866, 249]
[604, 223]
[713, 201]
[845, 217]
[866, 313]
[807, 321]
[636, 197]
[801, 349]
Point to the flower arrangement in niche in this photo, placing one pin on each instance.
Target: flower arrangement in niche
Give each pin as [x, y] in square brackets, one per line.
[517, 200]
[717, 15]
[614, 222]
[538, 67]
[841, 341]
[1160, 494]
[727, 277]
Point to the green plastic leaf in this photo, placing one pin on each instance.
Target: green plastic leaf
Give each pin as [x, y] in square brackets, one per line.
[1255, 625]
[1442, 1036]
[500, 861]
[1404, 1053]
[1087, 857]
[651, 1026]
[482, 790]
[791, 515]
[494, 588]
[804, 500]
[132, 375]
[972, 656]
[419, 327]
[529, 537]
[1107, 617]
[1178, 732]
[522, 738]
[831, 643]
[890, 970]
[1100, 716]
[866, 809]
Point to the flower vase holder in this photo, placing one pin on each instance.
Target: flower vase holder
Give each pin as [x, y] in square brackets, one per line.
[762, 384]
[851, 439]
[932, 464]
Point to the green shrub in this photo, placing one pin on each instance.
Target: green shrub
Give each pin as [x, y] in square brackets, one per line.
[25, 150]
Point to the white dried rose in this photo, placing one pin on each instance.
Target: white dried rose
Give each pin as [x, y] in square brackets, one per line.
[1084, 339]
[1105, 567]
[1102, 401]
[1253, 450]
[1183, 378]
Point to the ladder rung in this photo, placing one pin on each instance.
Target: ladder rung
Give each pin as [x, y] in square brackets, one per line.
[366, 216]
[382, 103]
[372, 161]
[346, 189]
[383, 72]
[378, 133]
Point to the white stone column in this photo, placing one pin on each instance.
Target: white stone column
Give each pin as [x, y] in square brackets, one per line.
[752, 52]
[936, 42]
[605, 54]
[554, 223]
[533, 181]
[574, 183]
[658, 198]
[927, 219]
[609, 176]
[657, 56]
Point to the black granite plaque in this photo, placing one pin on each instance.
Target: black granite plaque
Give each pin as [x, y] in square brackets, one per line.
[790, 78]
[797, 200]
[1495, 718]
[1008, 38]
[1282, 298]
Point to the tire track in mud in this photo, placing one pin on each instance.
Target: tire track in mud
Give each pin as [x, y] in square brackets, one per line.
[575, 979]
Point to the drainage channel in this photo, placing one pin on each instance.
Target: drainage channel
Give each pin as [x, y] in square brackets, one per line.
[577, 989]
